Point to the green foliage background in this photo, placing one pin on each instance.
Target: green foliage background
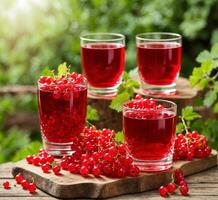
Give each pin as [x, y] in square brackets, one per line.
[39, 33]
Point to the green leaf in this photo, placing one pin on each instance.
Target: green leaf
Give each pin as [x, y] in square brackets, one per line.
[206, 67]
[63, 69]
[119, 137]
[132, 84]
[125, 76]
[189, 114]
[210, 98]
[196, 76]
[116, 103]
[203, 83]
[32, 148]
[92, 114]
[214, 51]
[179, 128]
[198, 101]
[47, 72]
[203, 56]
[215, 108]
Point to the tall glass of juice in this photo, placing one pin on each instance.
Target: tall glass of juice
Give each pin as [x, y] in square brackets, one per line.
[62, 103]
[149, 127]
[103, 59]
[159, 61]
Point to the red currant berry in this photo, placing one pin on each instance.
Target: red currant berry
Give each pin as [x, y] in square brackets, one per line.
[184, 190]
[36, 161]
[133, 171]
[19, 178]
[56, 169]
[25, 184]
[46, 168]
[50, 159]
[29, 159]
[96, 171]
[6, 185]
[84, 170]
[171, 187]
[163, 191]
[32, 188]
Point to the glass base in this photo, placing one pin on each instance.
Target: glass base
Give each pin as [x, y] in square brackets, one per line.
[153, 165]
[159, 90]
[58, 149]
[109, 92]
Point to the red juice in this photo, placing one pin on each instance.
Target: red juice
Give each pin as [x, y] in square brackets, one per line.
[62, 115]
[149, 136]
[159, 63]
[103, 63]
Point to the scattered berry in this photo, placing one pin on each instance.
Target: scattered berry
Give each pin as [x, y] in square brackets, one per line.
[25, 184]
[32, 188]
[6, 185]
[171, 187]
[19, 178]
[163, 191]
[184, 190]
[56, 169]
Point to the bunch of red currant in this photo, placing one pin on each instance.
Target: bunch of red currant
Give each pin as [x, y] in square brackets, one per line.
[191, 145]
[97, 153]
[45, 161]
[171, 187]
[26, 185]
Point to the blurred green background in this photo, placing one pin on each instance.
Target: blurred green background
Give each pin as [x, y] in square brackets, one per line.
[39, 33]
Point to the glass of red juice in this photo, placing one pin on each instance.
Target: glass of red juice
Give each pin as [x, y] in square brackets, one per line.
[103, 60]
[159, 61]
[62, 104]
[149, 127]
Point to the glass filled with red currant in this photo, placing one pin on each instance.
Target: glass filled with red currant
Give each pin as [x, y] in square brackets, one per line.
[62, 103]
[149, 127]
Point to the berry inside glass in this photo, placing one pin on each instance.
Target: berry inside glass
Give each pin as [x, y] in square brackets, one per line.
[149, 127]
[62, 111]
[103, 59]
[159, 61]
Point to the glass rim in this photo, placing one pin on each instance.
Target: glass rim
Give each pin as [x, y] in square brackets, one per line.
[118, 35]
[173, 105]
[176, 36]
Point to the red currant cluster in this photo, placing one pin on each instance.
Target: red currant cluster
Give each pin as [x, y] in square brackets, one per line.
[141, 103]
[97, 153]
[171, 187]
[61, 86]
[45, 161]
[149, 108]
[191, 145]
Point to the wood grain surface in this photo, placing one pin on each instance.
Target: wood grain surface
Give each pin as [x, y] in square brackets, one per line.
[74, 186]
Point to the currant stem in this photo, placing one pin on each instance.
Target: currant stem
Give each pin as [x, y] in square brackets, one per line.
[89, 123]
[184, 124]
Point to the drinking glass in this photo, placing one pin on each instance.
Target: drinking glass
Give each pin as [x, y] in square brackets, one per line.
[159, 61]
[62, 115]
[149, 135]
[103, 59]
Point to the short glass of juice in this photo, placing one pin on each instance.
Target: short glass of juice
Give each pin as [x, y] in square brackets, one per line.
[103, 60]
[159, 58]
[62, 104]
[149, 127]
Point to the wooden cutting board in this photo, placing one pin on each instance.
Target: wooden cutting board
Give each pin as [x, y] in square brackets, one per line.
[75, 186]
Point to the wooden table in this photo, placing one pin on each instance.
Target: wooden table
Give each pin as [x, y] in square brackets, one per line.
[202, 186]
